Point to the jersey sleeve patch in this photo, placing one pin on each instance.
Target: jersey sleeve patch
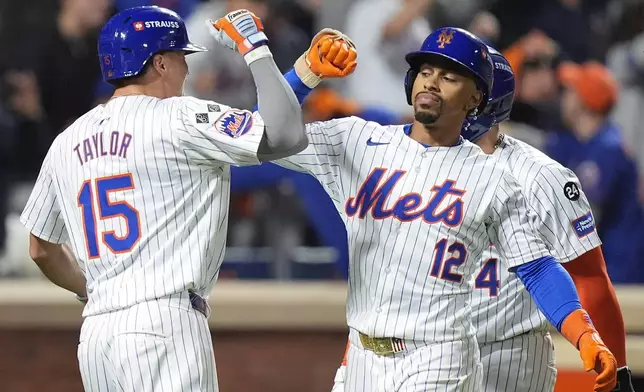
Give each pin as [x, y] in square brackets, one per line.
[571, 190]
[584, 225]
[235, 123]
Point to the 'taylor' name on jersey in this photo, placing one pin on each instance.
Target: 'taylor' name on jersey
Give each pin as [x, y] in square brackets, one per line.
[102, 144]
[373, 194]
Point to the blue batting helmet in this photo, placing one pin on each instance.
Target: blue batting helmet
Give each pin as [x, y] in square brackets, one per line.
[462, 48]
[131, 37]
[500, 103]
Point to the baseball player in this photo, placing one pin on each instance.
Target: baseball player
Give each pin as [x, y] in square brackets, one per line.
[139, 186]
[516, 349]
[421, 206]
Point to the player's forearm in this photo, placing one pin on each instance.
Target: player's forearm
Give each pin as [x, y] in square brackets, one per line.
[554, 292]
[551, 288]
[284, 133]
[598, 297]
[58, 264]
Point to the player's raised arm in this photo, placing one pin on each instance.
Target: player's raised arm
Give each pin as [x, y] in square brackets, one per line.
[284, 132]
[48, 233]
[548, 283]
[567, 224]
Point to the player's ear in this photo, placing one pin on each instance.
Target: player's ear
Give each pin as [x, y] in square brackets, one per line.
[474, 101]
[158, 63]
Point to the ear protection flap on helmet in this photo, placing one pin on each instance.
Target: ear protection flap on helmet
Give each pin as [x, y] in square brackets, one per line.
[409, 83]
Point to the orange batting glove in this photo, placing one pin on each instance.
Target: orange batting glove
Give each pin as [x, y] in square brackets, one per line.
[331, 55]
[579, 331]
[239, 30]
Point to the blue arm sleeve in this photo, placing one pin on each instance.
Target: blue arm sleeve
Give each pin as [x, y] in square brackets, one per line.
[299, 88]
[551, 288]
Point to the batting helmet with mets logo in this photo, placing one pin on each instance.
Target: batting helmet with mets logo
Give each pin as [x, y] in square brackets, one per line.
[500, 103]
[131, 37]
[462, 49]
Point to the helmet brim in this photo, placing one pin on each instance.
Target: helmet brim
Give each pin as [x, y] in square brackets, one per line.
[192, 48]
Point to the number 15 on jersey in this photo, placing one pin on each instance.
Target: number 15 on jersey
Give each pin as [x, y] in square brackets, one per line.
[96, 193]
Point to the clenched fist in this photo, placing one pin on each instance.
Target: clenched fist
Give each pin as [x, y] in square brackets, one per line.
[331, 55]
[239, 30]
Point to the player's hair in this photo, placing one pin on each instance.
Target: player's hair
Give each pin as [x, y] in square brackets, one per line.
[122, 82]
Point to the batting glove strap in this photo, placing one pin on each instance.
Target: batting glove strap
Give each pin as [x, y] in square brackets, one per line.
[257, 53]
[303, 71]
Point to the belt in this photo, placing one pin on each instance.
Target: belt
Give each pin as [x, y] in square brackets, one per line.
[382, 346]
[199, 304]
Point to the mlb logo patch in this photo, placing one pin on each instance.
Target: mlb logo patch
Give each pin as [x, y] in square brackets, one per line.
[584, 225]
[202, 118]
[235, 123]
[139, 26]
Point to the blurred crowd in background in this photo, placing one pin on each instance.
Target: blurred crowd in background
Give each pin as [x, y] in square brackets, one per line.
[579, 66]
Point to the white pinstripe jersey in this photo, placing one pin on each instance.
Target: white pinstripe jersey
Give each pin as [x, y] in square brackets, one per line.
[140, 188]
[418, 221]
[563, 219]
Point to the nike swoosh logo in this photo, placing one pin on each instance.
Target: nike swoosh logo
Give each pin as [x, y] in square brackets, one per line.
[372, 143]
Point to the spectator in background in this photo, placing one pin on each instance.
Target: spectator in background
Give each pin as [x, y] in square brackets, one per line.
[181, 7]
[593, 149]
[536, 103]
[486, 26]
[385, 31]
[63, 60]
[226, 79]
[626, 60]
[25, 141]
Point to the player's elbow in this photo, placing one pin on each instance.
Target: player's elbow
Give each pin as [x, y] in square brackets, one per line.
[297, 141]
[300, 143]
[40, 250]
[37, 252]
[273, 148]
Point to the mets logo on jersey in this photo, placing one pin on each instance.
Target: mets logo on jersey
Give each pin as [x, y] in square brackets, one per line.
[235, 123]
[445, 38]
[584, 225]
[444, 205]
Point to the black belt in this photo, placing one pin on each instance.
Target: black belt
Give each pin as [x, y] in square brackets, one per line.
[199, 304]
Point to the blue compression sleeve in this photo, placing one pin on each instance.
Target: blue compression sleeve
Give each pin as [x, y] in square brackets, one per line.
[299, 88]
[551, 288]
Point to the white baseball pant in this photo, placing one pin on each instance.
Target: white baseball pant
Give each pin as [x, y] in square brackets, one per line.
[159, 345]
[524, 363]
[421, 367]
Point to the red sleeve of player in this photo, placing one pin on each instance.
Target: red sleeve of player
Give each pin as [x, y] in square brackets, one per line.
[598, 298]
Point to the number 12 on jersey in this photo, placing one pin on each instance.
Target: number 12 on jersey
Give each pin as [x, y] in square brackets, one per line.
[108, 210]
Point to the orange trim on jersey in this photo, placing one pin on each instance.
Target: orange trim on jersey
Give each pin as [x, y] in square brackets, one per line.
[91, 205]
[598, 298]
[346, 354]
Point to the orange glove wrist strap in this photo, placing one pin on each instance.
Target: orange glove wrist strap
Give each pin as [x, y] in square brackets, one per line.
[575, 325]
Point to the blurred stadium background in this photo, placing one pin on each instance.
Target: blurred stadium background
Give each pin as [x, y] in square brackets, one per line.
[278, 311]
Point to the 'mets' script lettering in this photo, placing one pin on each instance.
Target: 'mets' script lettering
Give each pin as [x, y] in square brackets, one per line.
[102, 144]
[376, 190]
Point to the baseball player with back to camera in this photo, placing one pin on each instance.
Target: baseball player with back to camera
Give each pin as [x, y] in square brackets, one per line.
[139, 186]
[516, 349]
[421, 206]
